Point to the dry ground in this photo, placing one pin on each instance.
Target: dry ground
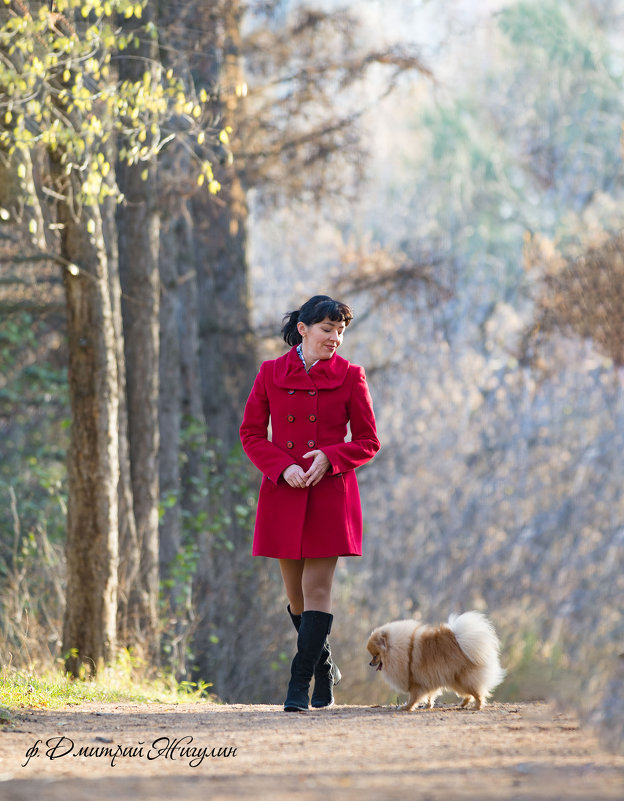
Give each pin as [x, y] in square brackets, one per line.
[350, 753]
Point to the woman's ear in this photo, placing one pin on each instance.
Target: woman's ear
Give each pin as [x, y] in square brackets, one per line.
[302, 328]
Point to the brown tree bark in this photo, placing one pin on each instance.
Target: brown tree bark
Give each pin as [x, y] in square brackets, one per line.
[169, 408]
[129, 551]
[89, 632]
[217, 354]
[180, 408]
[228, 356]
[138, 232]
[227, 365]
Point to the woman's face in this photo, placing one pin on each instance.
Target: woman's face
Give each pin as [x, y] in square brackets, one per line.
[320, 340]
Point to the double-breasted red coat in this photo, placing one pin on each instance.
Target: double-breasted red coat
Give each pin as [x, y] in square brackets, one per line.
[309, 411]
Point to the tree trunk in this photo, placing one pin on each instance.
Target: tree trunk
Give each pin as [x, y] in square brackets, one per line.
[227, 363]
[170, 425]
[138, 233]
[129, 551]
[218, 363]
[89, 632]
[228, 357]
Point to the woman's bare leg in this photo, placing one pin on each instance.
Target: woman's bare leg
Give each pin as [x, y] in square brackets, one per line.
[308, 583]
[316, 583]
[292, 573]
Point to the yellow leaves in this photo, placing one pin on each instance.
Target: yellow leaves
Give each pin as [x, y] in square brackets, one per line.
[206, 169]
[224, 136]
[207, 174]
[59, 93]
[188, 106]
[213, 186]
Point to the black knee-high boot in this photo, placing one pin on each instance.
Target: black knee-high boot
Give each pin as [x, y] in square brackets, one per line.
[326, 672]
[313, 631]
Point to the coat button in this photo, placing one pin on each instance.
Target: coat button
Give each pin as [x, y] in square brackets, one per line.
[311, 392]
[311, 443]
[291, 418]
[291, 391]
[290, 444]
[312, 418]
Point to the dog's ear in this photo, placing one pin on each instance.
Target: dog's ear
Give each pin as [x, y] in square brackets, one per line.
[382, 640]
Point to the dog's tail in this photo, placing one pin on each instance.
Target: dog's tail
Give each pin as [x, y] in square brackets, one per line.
[477, 639]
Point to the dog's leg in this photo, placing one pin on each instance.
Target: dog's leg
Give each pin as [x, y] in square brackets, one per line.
[417, 693]
[479, 700]
[432, 698]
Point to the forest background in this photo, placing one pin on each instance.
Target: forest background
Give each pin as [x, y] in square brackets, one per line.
[174, 177]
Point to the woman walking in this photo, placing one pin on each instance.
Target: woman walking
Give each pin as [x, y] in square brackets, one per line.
[309, 510]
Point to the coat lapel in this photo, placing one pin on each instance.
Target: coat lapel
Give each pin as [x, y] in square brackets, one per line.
[289, 372]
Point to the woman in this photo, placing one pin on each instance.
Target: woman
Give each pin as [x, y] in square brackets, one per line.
[309, 509]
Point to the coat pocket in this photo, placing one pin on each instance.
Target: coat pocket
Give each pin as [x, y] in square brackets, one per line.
[267, 486]
[336, 483]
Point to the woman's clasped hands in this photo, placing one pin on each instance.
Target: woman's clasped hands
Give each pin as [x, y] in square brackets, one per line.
[296, 476]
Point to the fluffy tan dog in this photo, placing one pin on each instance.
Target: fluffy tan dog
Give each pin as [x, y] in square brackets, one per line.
[462, 656]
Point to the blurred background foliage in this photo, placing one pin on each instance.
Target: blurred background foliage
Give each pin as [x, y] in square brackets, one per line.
[479, 243]
[485, 260]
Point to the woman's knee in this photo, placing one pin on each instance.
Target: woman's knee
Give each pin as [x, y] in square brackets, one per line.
[316, 583]
[317, 599]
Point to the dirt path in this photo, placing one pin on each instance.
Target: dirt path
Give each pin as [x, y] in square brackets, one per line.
[350, 753]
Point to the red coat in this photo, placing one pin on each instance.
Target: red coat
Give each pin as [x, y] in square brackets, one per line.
[309, 411]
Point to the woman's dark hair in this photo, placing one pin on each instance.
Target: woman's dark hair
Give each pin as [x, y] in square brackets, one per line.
[313, 311]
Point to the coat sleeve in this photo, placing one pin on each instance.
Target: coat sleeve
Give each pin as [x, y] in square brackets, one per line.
[267, 457]
[364, 443]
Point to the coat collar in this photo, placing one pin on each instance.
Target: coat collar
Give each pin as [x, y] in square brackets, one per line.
[289, 372]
